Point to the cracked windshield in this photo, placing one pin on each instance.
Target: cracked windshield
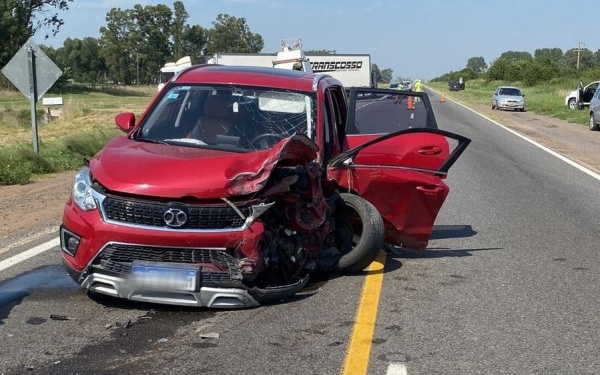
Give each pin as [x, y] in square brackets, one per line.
[229, 118]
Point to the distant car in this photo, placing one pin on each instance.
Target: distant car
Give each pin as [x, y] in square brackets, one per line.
[595, 110]
[394, 85]
[454, 86]
[577, 99]
[407, 85]
[508, 97]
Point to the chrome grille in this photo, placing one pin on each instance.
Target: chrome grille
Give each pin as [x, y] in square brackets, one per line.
[147, 213]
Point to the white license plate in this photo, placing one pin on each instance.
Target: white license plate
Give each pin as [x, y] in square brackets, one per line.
[165, 277]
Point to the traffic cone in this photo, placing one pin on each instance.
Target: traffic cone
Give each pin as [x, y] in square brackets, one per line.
[443, 99]
[409, 103]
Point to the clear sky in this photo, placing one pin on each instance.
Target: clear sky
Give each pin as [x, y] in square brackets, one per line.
[418, 39]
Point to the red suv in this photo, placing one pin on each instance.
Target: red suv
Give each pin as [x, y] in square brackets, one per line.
[237, 183]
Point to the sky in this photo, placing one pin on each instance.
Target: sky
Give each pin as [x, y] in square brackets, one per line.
[418, 39]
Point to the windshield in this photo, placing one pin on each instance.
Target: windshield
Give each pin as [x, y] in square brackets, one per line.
[234, 118]
[510, 92]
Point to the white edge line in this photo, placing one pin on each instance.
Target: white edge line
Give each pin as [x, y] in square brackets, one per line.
[551, 152]
[396, 368]
[29, 253]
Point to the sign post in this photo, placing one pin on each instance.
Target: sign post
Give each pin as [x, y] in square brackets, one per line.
[33, 73]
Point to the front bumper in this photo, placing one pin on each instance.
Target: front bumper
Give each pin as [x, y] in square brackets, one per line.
[103, 260]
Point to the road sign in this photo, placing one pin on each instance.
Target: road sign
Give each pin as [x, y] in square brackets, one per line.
[33, 73]
[18, 70]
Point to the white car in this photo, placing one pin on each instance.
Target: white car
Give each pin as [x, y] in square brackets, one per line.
[581, 97]
[508, 97]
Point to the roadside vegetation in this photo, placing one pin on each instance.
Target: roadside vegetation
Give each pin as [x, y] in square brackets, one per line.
[86, 124]
[546, 99]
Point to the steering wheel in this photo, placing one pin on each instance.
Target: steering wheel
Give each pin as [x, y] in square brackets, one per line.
[260, 137]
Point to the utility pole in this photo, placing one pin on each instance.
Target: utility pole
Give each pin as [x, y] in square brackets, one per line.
[579, 49]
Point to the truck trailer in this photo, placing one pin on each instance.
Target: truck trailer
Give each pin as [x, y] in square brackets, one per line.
[352, 70]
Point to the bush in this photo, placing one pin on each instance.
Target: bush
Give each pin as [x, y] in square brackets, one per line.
[18, 165]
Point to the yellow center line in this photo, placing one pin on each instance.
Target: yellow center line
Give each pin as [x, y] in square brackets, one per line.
[359, 348]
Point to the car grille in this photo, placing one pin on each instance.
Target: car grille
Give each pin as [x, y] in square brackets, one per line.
[147, 213]
[119, 258]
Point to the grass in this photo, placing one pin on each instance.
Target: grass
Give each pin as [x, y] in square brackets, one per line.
[86, 124]
[547, 99]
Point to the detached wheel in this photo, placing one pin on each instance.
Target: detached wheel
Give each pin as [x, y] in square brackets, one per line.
[361, 231]
[593, 124]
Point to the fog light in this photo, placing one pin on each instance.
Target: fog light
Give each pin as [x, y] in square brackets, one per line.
[69, 241]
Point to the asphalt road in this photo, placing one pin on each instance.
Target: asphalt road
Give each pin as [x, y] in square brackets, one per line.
[508, 285]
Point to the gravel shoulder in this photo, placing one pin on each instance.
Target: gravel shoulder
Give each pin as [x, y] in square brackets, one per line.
[33, 210]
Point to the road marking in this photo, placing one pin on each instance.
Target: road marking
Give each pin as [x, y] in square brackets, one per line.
[551, 152]
[29, 253]
[359, 348]
[396, 368]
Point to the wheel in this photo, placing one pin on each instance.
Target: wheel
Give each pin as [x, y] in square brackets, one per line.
[593, 124]
[263, 140]
[362, 233]
[493, 106]
[573, 104]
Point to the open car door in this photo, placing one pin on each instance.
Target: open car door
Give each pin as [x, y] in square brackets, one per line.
[401, 172]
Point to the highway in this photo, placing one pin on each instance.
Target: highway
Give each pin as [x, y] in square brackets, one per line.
[508, 285]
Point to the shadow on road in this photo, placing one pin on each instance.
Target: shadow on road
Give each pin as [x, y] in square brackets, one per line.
[452, 231]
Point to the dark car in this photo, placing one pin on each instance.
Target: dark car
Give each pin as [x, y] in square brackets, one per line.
[237, 183]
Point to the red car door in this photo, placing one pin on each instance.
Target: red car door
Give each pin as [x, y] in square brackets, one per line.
[401, 173]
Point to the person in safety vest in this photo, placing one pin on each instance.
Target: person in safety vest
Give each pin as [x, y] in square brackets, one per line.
[399, 98]
[418, 88]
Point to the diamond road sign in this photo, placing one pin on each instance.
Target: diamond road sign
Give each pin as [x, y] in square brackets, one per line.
[17, 70]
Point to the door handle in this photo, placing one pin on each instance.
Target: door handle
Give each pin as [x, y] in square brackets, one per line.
[435, 191]
[430, 150]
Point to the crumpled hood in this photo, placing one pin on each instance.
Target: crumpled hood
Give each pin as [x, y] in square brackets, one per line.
[168, 171]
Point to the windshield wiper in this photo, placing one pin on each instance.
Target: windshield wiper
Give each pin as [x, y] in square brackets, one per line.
[150, 140]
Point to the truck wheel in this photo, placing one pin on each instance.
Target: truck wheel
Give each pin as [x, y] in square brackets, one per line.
[572, 103]
[362, 231]
[593, 125]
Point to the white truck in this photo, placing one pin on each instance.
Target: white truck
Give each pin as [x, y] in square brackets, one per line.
[352, 70]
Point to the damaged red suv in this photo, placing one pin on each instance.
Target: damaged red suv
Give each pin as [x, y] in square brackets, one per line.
[237, 183]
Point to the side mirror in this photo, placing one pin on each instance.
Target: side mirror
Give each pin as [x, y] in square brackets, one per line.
[125, 121]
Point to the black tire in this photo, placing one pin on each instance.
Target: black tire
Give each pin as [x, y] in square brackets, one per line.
[364, 226]
[572, 104]
[593, 124]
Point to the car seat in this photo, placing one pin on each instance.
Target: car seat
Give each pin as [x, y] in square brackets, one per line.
[217, 120]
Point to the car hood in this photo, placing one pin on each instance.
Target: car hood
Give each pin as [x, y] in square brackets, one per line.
[167, 171]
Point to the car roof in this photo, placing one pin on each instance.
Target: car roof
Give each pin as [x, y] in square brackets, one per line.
[508, 87]
[250, 76]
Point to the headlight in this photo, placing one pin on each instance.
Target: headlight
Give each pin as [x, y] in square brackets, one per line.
[82, 191]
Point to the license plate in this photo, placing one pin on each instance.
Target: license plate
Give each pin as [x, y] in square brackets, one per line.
[165, 277]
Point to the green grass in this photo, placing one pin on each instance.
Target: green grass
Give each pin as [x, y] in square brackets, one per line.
[547, 99]
[84, 128]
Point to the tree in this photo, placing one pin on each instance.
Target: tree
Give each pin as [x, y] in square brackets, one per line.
[231, 34]
[553, 54]
[477, 65]
[194, 41]
[116, 41]
[387, 75]
[21, 19]
[516, 55]
[377, 73]
[178, 29]
[586, 60]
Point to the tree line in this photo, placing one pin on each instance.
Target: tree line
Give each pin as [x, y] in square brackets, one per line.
[133, 44]
[520, 66]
